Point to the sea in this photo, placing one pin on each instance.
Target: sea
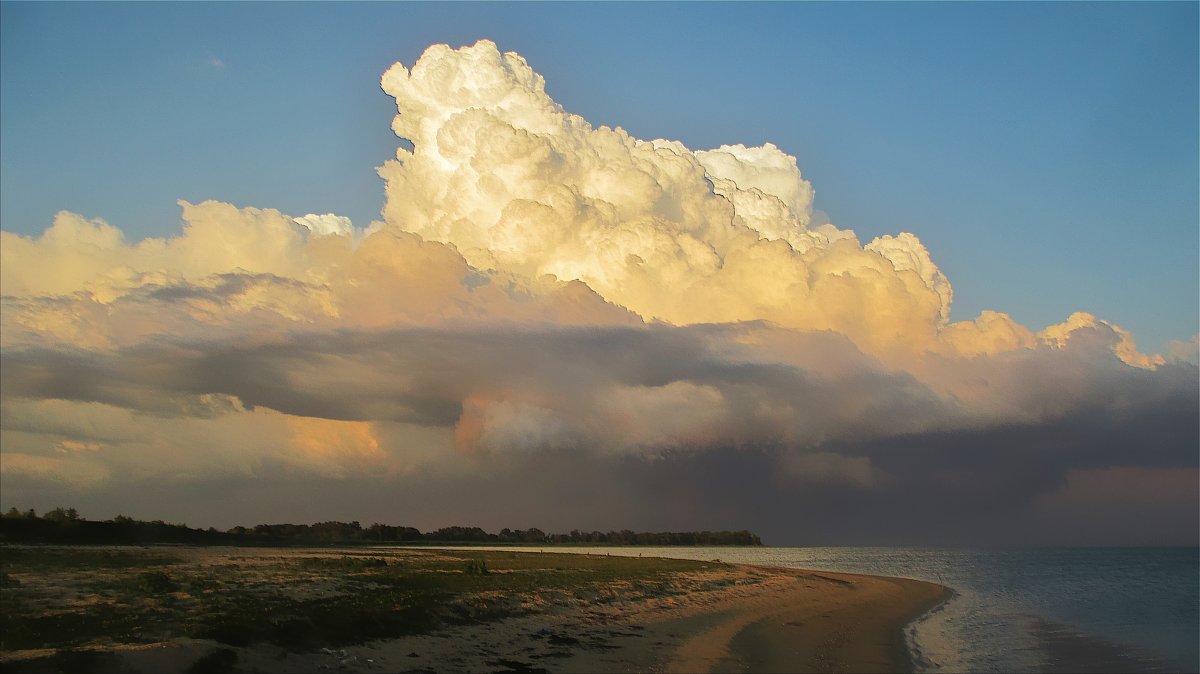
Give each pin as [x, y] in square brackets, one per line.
[1020, 609]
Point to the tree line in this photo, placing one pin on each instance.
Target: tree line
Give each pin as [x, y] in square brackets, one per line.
[65, 525]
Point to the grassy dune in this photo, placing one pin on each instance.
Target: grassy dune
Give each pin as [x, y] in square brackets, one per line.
[296, 598]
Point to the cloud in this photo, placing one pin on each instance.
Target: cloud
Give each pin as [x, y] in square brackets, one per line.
[328, 224]
[251, 271]
[616, 389]
[69, 446]
[1187, 351]
[78, 474]
[516, 183]
[562, 316]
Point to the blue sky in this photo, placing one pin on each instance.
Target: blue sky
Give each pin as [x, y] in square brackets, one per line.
[1046, 154]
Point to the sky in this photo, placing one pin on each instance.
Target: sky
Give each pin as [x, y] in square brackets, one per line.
[837, 273]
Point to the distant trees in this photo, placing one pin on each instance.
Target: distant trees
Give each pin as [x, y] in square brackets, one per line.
[15, 514]
[384, 533]
[461, 534]
[665, 538]
[322, 532]
[61, 514]
[531, 535]
[65, 525]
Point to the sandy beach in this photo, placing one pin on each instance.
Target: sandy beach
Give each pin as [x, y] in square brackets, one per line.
[726, 618]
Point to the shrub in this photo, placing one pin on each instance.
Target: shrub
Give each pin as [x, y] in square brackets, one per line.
[156, 582]
[475, 567]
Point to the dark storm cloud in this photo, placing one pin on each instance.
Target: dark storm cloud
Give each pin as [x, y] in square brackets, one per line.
[424, 376]
[797, 454]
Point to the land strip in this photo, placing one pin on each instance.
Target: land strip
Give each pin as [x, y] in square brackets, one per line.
[185, 609]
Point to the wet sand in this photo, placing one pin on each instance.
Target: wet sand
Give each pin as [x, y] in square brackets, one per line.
[731, 619]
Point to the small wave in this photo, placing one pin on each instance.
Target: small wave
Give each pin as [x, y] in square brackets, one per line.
[922, 661]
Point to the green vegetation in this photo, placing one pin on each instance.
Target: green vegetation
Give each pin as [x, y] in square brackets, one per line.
[300, 599]
[475, 567]
[84, 558]
[64, 525]
[69, 583]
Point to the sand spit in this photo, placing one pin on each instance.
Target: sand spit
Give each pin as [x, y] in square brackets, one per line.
[715, 618]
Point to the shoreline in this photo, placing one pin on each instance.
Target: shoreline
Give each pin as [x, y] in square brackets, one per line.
[903, 605]
[729, 618]
[826, 622]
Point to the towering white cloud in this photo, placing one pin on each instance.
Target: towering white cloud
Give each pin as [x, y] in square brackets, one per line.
[516, 183]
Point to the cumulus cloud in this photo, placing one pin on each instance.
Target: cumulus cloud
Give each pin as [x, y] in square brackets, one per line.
[250, 271]
[546, 297]
[1187, 351]
[325, 225]
[516, 183]
[502, 172]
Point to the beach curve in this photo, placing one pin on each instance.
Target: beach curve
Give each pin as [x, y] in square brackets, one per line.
[805, 621]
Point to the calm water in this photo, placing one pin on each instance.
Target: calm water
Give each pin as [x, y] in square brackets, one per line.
[1041, 609]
